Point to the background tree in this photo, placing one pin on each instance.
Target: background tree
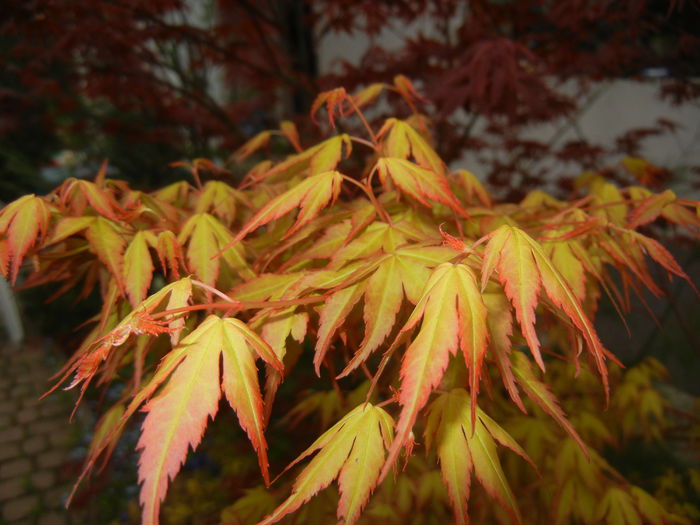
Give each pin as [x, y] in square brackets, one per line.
[139, 81]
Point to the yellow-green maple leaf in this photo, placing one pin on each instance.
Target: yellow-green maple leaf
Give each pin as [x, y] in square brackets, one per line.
[218, 198]
[310, 196]
[206, 238]
[24, 222]
[465, 445]
[79, 193]
[402, 139]
[317, 159]
[453, 315]
[352, 450]
[617, 508]
[540, 393]
[106, 239]
[402, 271]
[252, 145]
[176, 418]
[523, 270]
[138, 268]
[422, 184]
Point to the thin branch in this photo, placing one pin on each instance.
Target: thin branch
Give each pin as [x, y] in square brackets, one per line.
[191, 33]
[252, 9]
[241, 305]
[213, 290]
[368, 191]
[363, 119]
[261, 34]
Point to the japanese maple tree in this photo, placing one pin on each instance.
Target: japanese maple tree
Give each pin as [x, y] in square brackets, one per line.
[439, 319]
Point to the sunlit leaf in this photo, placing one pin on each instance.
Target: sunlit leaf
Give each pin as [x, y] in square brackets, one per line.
[352, 450]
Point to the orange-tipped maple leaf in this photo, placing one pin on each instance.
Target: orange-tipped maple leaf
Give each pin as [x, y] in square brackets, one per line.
[465, 445]
[176, 418]
[138, 321]
[24, 222]
[403, 140]
[325, 156]
[369, 94]
[334, 102]
[422, 184]
[78, 194]
[310, 196]
[252, 145]
[407, 90]
[401, 272]
[453, 315]
[106, 239]
[523, 270]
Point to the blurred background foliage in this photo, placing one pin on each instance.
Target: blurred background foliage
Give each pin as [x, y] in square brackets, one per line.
[148, 83]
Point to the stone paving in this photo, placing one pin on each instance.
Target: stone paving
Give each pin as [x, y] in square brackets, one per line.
[35, 440]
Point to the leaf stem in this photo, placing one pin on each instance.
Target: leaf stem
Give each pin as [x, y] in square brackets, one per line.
[385, 402]
[364, 121]
[373, 199]
[241, 305]
[385, 360]
[363, 142]
[212, 290]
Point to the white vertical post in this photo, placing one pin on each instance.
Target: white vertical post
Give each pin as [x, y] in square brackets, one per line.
[10, 312]
[8, 309]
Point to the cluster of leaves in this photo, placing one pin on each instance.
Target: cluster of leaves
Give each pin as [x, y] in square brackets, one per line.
[366, 260]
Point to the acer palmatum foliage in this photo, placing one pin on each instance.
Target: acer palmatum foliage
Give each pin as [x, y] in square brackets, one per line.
[366, 260]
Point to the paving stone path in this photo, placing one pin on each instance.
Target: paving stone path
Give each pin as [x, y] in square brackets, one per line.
[35, 440]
